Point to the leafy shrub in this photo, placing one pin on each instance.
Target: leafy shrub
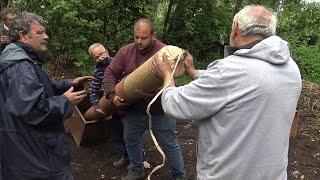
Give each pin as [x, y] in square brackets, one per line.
[299, 25]
[73, 25]
[308, 60]
[201, 27]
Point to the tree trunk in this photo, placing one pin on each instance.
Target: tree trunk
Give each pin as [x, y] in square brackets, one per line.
[166, 20]
[3, 4]
[9, 3]
[194, 8]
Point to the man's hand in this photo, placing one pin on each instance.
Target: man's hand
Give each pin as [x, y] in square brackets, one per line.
[100, 112]
[5, 40]
[80, 80]
[75, 97]
[189, 66]
[162, 68]
[120, 103]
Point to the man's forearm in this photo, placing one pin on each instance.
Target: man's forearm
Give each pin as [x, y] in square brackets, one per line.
[168, 80]
[108, 88]
[192, 73]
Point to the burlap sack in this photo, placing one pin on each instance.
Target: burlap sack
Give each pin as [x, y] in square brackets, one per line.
[143, 81]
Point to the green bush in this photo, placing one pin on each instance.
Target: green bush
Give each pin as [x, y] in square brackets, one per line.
[201, 27]
[308, 60]
[73, 25]
[299, 25]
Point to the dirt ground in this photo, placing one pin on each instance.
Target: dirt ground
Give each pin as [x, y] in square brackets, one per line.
[304, 152]
[95, 161]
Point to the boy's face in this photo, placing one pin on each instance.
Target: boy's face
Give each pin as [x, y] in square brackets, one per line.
[99, 53]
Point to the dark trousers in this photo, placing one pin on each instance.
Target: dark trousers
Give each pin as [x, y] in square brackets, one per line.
[117, 135]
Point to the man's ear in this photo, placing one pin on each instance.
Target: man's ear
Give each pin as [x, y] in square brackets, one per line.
[22, 37]
[235, 29]
[234, 35]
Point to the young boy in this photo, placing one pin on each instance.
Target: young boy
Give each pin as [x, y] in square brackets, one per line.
[101, 56]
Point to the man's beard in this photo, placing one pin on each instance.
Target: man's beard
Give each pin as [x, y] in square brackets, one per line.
[145, 49]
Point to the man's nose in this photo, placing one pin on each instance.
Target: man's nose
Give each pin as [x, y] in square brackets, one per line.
[45, 36]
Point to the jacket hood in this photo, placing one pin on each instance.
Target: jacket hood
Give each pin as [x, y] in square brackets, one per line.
[273, 50]
[11, 55]
[13, 52]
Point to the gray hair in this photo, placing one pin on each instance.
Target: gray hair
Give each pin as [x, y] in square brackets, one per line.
[256, 19]
[22, 24]
[92, 47]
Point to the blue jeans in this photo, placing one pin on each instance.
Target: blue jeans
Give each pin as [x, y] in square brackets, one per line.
[117, 135]
[163, 127]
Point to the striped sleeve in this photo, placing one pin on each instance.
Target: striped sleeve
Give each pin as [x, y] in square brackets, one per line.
[97, 77]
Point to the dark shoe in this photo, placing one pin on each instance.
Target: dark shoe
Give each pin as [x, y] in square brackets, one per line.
[134, 175]
[121, 162]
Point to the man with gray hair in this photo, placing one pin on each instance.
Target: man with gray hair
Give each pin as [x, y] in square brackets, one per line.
[33, 106]
[101, 56]
[245, 102]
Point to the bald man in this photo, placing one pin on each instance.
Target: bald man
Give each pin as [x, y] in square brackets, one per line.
[135, 121]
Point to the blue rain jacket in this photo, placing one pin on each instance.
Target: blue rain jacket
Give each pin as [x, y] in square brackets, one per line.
[33, 143]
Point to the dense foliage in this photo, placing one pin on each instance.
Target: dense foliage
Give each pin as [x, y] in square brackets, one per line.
[75, 24]
[299, 25]
[201, 26]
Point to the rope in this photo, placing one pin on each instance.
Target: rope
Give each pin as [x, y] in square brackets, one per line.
[150, 122]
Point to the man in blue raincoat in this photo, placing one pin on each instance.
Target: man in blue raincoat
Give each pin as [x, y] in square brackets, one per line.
[33, 107]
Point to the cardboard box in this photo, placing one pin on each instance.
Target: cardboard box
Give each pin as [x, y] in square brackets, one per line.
[87, 132]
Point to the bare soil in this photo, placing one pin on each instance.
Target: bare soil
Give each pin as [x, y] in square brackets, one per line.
[95, 161]
[304, 152]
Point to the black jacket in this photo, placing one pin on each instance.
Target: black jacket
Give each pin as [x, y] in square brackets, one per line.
[32, 109]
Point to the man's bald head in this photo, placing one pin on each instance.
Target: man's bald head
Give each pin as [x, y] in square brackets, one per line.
[144, 24]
